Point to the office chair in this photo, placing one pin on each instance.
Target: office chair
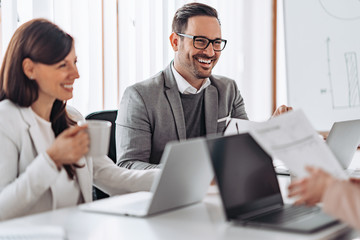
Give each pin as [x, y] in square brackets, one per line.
[109, 115]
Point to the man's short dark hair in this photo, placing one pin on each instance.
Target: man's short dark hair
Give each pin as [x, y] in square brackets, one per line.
[180, 20]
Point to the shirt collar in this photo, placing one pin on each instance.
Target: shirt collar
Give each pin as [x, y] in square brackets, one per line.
[185, 87]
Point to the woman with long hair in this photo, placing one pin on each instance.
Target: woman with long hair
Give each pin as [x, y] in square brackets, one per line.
[42, 151]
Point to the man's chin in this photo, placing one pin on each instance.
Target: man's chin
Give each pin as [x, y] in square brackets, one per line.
[203, 75]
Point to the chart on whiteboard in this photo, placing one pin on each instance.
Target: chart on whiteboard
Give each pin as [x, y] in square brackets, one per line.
[349, 95]
[322, 45]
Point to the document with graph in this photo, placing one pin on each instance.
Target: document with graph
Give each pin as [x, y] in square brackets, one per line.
[292, 139]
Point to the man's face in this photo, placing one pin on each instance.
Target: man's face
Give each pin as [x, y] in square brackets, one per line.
[196, 64]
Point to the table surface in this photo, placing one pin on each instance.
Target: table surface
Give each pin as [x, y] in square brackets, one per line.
[204, 220]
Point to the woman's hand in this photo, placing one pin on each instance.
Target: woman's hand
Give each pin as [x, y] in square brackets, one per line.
[69, 146]
[310, 190]
[355, 180]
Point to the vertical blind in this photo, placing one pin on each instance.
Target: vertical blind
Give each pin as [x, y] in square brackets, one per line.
[120, 42]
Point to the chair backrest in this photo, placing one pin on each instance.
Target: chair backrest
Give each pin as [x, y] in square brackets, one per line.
[109, 115]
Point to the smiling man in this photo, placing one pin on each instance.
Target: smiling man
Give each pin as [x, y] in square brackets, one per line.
[184, 100]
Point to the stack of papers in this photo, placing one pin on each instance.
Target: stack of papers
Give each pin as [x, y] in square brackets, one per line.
[291, 139]
[33, 233]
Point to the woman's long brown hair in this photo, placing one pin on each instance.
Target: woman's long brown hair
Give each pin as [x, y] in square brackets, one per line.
[42, 42]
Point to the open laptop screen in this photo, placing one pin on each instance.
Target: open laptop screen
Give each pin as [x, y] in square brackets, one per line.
[244, 173]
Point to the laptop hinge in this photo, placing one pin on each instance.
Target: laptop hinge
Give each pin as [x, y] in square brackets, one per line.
[257, 212]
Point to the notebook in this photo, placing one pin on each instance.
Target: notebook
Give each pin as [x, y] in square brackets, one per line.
[35, 232]
[185, 178]
[250, 191]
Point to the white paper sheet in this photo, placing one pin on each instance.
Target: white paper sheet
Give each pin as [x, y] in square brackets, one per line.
[36, 232]
[291, 138]
[237, 126]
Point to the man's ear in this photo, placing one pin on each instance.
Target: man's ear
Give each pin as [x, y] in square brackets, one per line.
[29, 68]
[174, 41]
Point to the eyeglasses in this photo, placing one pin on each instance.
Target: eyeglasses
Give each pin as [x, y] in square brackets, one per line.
[203, 42]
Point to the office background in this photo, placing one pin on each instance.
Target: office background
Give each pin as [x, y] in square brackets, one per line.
[121, 42]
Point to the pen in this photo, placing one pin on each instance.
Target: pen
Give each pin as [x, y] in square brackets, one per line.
[227, 126]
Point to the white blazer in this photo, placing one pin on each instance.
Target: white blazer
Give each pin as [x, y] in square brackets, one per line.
[26, 174]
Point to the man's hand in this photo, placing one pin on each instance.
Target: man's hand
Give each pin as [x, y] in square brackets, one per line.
[282, 109]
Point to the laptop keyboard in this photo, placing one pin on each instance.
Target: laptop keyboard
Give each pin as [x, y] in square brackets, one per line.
[286, 214]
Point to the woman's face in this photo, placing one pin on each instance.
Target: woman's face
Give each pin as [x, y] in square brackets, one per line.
[56, 81]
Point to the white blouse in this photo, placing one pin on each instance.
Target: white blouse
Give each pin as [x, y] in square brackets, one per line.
[67, 189]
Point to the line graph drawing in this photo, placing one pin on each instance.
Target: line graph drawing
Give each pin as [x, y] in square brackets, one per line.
[329, 71]
[322, 57]
[351, 79]
[349, 10]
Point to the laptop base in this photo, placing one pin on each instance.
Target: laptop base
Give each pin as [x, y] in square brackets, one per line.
[132, 204]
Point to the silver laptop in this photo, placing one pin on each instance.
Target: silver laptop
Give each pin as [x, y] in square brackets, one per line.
[185, 178]
[343, 140]
[250, 191]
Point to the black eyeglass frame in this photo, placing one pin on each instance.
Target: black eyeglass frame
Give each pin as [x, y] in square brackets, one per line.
[209, 41]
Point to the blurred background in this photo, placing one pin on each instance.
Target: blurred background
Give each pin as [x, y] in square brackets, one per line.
[120, 42]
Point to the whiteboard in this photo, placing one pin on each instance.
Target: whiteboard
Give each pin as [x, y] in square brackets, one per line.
[322, 50]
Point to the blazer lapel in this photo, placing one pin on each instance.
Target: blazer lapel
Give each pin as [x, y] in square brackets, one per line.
[84, 180]
[172, 93]
[34, 130]
[37, 141]
[82, 174]
[211, 109]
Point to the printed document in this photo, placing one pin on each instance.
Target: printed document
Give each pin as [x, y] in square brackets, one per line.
[291, 138]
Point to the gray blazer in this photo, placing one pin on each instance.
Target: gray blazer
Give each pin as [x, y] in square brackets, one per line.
[151, 115]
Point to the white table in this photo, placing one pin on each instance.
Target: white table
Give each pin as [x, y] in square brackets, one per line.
[200, 221]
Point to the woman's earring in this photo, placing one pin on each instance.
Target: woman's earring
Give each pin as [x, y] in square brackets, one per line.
[31, 78]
